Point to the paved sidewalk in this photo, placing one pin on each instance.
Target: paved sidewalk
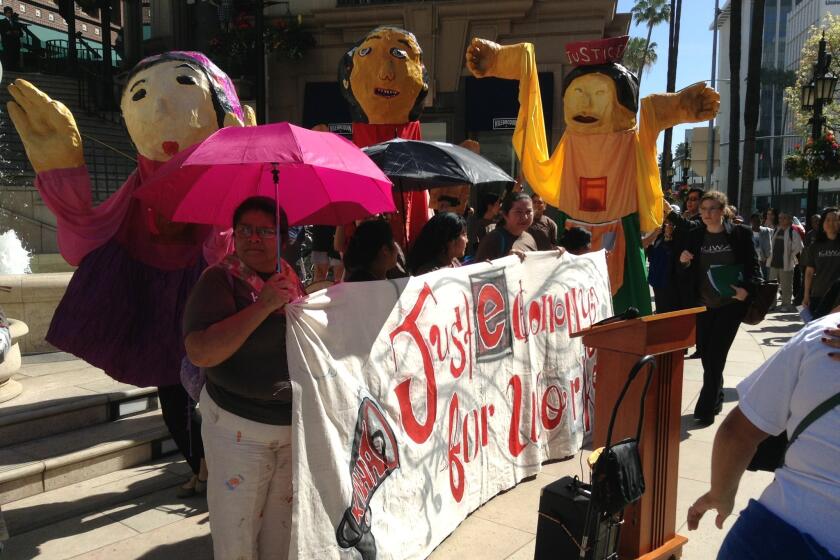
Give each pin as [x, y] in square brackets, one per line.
[158, 526]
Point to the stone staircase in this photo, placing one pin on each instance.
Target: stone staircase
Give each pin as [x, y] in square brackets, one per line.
[108, 150]
[104, 139]
[76, 442]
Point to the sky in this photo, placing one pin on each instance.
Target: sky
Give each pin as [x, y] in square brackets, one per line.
[694, 60]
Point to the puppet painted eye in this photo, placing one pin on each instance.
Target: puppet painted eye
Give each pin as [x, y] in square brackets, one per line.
[365, 51]
[186, 80]
[398, 53]
[138, 95]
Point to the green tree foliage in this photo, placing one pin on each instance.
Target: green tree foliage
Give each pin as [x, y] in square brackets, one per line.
[650, 13]
[639, 55]
[800, 117]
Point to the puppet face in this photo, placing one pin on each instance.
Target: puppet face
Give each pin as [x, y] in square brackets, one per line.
[591, 106]
[168, 107]
[387, 76]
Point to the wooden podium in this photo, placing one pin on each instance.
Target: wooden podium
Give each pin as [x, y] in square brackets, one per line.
[650, 524]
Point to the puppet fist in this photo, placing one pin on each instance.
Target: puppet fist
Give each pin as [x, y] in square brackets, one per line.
[698, 103]
[481, 57]
[487, 59]
[46, 127]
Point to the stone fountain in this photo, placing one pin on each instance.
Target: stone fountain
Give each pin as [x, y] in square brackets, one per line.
[14, 259]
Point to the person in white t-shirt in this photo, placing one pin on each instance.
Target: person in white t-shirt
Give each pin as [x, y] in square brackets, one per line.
[798, 514]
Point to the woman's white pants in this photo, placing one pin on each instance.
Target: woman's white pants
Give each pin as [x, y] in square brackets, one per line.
[249, 489]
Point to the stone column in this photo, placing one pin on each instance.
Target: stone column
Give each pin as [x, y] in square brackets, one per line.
[132, 32]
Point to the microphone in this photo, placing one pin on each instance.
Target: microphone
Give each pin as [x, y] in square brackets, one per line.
[629, 313]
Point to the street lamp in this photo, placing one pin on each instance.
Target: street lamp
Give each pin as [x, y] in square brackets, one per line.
[686, 166]
[669, 173]
[813, 96]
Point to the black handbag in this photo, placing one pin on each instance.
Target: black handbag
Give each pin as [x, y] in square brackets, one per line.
[770, 454]
[617, 478]
[761, 301]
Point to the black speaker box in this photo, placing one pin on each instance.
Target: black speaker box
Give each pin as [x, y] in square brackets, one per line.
[562, 518]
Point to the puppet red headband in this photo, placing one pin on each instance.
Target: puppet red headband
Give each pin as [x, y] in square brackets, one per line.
[601, 51]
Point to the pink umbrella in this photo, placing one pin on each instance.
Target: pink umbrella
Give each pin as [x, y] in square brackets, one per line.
[316, 177]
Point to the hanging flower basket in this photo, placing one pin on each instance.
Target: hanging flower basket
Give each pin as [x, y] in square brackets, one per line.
[235, 48]
[818, 159]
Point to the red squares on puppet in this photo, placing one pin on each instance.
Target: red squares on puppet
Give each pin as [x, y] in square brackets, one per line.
[593, 194]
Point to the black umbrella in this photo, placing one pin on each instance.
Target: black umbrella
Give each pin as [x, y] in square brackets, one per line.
[416, 165]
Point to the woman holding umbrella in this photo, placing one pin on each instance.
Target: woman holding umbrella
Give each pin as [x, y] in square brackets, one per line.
[235, 329]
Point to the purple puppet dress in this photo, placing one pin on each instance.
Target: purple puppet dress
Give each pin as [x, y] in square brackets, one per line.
[123, 307]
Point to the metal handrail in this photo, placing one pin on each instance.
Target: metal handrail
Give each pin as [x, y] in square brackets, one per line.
[18, 215]
[108, 168]
[34, 42]
[95, 53]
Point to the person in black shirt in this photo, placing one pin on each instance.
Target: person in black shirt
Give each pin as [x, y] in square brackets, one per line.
[11, 32]
[822, 265]
[577, 241]
[441, 243]
[713, 246]
[543, 229]
[371, 253]
[483, 221]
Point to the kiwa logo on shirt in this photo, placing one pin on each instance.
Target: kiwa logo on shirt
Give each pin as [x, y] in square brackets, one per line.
[716, 248]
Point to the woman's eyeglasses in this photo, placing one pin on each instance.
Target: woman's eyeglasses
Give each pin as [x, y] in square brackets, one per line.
[246, 231]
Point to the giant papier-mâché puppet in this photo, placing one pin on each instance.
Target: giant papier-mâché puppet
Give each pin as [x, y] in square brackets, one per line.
[122, 309]
[384, 80]
[603, 175]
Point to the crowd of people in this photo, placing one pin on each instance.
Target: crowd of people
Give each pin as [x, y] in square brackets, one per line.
[708, 244]
[234, 319]
[693, 258]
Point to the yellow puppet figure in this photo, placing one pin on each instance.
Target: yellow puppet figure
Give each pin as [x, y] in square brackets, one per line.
[603, 175]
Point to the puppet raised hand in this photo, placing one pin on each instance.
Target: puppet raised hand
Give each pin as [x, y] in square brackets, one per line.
[486, 59]
[46, 127]
[695, 103]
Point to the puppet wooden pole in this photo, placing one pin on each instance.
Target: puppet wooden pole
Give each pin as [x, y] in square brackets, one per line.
[275, 175]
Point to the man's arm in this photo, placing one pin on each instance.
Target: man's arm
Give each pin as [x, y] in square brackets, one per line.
[735, 444]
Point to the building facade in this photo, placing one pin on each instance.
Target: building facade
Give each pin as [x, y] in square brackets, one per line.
[787, 24]
[698, 141]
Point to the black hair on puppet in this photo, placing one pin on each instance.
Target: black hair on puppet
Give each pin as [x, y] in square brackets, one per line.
[345, 69]
[626, 83]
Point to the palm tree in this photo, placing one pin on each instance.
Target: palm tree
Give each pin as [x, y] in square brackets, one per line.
[650, 13]
[734, 98]
[639, 55]
[751, 105]
[673, 52]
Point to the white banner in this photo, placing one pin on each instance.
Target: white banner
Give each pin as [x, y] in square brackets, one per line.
[416, 401]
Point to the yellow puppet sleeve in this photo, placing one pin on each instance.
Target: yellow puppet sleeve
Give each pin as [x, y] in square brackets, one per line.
[529, 139]
[650, 199]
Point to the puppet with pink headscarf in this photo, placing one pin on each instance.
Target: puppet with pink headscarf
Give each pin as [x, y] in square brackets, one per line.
[122, 309]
